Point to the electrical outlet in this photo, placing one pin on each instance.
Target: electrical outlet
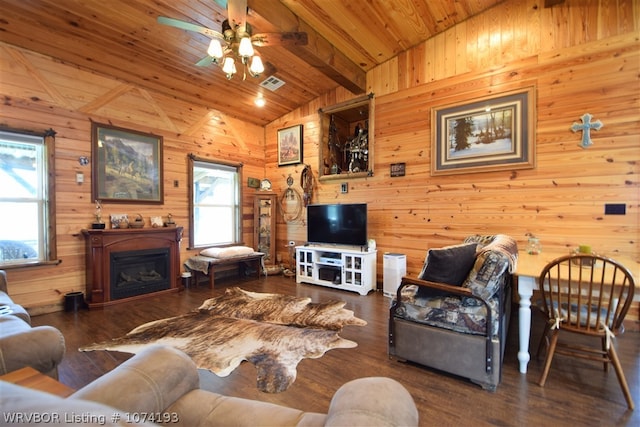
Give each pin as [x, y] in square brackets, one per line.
[176, 184]
[344, 188]
[79, 177]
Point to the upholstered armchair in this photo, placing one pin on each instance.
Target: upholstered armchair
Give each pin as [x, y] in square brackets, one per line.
[455, 316]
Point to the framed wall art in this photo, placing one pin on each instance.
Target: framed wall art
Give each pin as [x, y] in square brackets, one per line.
[290, 145]
[126, 165]
[484, 134]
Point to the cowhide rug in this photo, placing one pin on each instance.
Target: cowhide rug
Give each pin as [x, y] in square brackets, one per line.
[272, 331]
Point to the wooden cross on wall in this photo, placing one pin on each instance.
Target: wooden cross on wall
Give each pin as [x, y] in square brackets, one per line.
[586, 127]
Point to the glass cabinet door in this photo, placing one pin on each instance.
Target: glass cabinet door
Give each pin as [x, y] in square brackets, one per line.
[265, 225]
[352, 269]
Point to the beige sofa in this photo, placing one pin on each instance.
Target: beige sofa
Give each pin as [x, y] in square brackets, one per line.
[21, 345]
[164, 383]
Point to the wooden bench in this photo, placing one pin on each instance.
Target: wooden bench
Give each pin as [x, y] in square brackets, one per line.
[208, 266]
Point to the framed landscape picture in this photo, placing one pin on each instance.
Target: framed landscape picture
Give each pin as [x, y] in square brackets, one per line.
[485, 134]
[126, 165]
[290, 145]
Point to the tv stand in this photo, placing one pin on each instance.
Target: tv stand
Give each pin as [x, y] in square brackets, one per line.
[340, 268]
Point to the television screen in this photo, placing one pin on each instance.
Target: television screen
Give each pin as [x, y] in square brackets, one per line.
[342, 224]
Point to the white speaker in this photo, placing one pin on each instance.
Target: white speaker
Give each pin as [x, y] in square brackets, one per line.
[394, 267]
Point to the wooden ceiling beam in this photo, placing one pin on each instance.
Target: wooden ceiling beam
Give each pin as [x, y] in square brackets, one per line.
[272, 15]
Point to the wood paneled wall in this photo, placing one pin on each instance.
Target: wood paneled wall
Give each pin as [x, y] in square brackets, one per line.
[40, 93]
[581, 57]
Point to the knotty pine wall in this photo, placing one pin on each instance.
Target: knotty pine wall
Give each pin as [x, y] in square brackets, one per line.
[39, 93]
[581, 58]
[584, 57]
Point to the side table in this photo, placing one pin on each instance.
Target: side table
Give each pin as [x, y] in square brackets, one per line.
[31, 378]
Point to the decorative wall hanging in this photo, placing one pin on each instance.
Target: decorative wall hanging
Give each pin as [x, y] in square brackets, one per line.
[484, 134]
[290, 145]
[586, 127]
[127, 165]
[397, 169]
[347, 139]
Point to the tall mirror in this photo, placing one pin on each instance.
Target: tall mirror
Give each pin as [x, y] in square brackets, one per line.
[346, 139]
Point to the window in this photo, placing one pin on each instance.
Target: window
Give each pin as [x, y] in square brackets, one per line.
[215, 203]
[27, 225]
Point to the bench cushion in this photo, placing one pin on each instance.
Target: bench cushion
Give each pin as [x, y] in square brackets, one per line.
[230, 252]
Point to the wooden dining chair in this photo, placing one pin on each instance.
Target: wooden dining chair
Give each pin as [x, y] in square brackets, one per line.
[588, 295]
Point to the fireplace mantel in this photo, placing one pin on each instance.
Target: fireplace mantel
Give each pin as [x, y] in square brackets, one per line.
[100, 244]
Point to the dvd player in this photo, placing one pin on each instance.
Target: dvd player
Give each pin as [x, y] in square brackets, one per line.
[332, 261]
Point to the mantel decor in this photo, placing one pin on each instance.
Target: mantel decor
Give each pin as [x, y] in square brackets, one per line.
[290, 145]
[126, 165]
[486, 134]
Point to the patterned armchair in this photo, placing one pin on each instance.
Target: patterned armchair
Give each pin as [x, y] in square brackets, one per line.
[455, 316]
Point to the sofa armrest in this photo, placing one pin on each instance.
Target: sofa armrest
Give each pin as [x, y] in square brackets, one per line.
[372, 401]
[442, 287]
[148, 382]
[3, 281]
[41, 347]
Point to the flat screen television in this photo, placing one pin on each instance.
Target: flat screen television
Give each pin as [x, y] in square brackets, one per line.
[339, 224]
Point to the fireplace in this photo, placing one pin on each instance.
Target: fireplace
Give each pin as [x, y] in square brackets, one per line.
[126, 264]
[139, 272]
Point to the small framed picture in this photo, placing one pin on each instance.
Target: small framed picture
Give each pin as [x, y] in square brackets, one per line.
[290, 145]
[156, 221]
[119, 221]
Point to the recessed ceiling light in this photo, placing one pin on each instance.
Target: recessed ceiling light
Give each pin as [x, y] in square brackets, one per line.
[260, 101]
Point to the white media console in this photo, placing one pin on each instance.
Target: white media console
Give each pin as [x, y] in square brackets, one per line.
[341, 268]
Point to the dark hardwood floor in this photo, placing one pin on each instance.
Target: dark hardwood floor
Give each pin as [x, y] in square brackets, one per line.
[576, 393]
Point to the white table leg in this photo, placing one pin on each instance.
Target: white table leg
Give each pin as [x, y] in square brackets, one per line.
[525, 290]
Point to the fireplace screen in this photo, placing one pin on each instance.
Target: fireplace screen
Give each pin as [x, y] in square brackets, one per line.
[139, 272]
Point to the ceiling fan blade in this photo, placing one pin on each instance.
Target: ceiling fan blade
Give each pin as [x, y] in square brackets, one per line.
[221, 3]
[189, 27]
[237, 12]
[205, 62]
[280, 39]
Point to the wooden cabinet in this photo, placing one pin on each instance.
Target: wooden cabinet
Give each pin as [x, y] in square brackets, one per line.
[264, 223]
[349, 269]
[346, 139]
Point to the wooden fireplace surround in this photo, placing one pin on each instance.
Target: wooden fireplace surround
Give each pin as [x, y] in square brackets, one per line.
[101, 243]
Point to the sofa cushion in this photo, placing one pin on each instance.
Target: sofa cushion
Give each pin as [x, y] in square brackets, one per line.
[33, 407]
[8, 307]
[450, 265]
[486, 276]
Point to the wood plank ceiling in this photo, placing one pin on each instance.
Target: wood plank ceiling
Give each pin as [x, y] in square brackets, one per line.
[122, 39]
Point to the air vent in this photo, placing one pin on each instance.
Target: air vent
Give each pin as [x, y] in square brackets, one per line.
[272, 83]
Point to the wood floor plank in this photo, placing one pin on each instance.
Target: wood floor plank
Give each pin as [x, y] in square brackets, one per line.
[576, 391]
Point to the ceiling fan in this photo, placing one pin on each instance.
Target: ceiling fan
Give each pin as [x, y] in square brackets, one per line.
[236, 39]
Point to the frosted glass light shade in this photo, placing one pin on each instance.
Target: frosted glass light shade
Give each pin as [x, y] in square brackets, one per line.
[215, 49]
[229, 66]
[256, 66]
[245, 49]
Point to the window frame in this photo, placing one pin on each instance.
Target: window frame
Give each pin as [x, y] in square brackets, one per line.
[47, 234]
[192, 163]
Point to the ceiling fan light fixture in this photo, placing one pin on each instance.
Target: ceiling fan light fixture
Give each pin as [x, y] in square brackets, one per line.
[245, 49]
[215, 50]
[229, 67]
[257, 67]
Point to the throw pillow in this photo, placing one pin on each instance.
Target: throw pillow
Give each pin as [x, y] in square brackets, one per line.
[450, 265]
